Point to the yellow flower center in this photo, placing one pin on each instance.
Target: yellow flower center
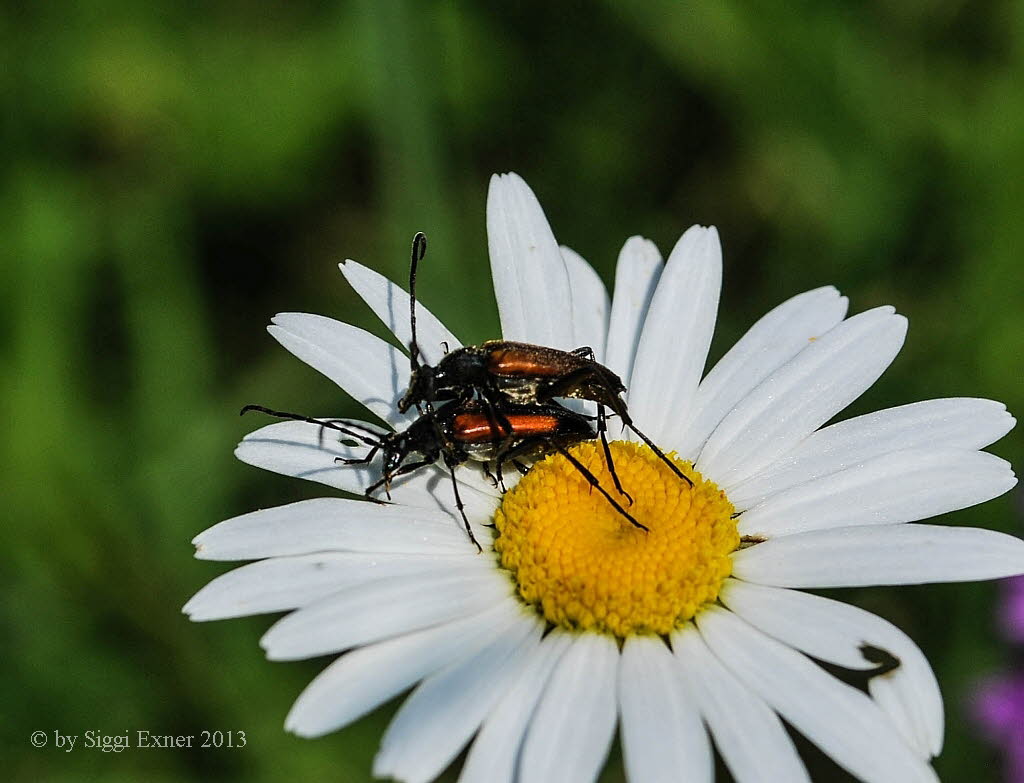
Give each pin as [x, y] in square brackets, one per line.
[585, 566]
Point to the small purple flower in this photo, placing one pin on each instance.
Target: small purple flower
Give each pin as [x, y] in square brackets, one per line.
[1011, 612]
[998, 708]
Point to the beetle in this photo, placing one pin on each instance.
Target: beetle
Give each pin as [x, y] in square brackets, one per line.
[463, 430]
[503, 371]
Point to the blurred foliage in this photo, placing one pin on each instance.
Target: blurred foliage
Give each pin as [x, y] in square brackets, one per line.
[176, 173]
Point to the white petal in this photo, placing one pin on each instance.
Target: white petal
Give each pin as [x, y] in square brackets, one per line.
[884, 555]
[492, 759]
[363, 679]
[748, 734]
[353, 617]
[833, 631]
[636, 278]
[898, 699]
[803, 394]
[771, 342]
[283, 583]
[589, 303]
[836, 717]
[663, 738]
[676, 337]
[299, 449]
[962, 423]
[447, 708]
[304, 450]
[391, 304]
[902, 486]
[325, 524]
[530, 279]
[370, 370]
[572, 728]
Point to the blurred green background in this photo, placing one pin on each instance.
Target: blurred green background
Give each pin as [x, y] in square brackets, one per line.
[174, 174]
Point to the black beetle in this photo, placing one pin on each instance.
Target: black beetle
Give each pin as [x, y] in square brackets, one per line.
[463, 430]
[500, 372]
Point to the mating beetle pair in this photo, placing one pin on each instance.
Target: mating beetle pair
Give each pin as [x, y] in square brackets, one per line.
[497, 405]
[501, 372]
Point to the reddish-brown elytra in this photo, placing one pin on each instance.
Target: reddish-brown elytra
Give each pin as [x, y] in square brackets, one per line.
[500, 372]
[522, 360]
[472, 427]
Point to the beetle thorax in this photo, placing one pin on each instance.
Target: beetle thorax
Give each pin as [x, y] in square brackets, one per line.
[460, 368]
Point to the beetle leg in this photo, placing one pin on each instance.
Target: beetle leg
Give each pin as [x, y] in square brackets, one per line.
[513, 451]
[584, 352]
[385, 481]
[627, 420]
[495, 478]
[505, 452]
[368, 492]
[661, 455]
[488, 475]
[563, 385]
[458, 504]
[566, 383]
[592, 479]
[501, 427]
[361, 461]
[500, 474]
[602, 433]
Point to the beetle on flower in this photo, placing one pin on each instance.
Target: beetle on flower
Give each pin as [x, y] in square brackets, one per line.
[573, 621]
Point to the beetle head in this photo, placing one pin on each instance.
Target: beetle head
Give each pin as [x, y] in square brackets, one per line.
[421, 387]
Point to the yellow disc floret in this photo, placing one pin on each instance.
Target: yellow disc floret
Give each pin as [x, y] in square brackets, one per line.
[585, 566]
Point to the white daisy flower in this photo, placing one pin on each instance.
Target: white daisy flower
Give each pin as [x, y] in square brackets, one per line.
[572, 621]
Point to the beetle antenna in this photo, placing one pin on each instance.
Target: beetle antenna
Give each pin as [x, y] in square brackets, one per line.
[369, 439]
[419, 249]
